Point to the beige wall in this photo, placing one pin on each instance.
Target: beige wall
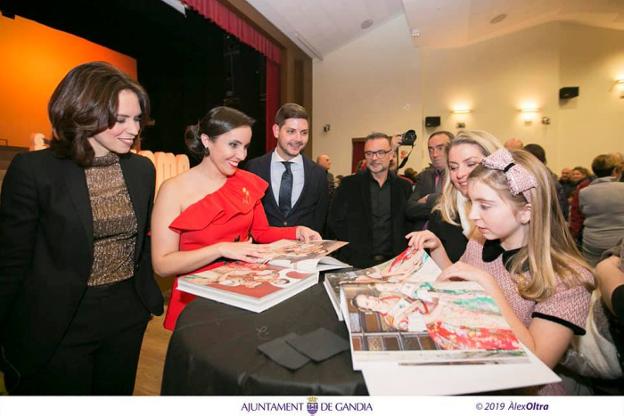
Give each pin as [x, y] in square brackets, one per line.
[381, 82]
[371, 84]
[593, 123]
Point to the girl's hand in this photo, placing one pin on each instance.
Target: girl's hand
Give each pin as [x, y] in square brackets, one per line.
[423, 239]
[306, 234]
[244, 251]
[463, 271]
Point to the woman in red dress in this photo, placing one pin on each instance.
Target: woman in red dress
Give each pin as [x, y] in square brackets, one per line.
[212, 212]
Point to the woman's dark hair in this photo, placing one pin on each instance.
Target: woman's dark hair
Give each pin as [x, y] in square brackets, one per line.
[84, 104]
[216, 122]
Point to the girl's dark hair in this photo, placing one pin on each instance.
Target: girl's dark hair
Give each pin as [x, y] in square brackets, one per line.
[216, 122]
[84, 104]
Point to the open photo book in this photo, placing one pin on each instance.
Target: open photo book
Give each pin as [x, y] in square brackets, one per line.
[311, 256]
[251, 286]
[409, 266]
[427, 323]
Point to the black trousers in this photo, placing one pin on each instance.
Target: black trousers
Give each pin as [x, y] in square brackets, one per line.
[100, 351]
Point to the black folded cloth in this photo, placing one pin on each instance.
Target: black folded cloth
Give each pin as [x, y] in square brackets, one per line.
[293, 351]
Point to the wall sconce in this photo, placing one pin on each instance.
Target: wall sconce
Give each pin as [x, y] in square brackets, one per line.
[529, 114]
[619, 85]
[461, 111]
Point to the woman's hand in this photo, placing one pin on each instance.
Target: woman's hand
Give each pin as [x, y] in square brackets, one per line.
[423, 239]
[463, 271]
[306, 234]
[244, 251]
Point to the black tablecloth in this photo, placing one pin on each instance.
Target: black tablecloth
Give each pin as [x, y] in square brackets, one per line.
[213, 350]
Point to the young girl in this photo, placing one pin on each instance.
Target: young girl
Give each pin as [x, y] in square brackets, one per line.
[523, 255]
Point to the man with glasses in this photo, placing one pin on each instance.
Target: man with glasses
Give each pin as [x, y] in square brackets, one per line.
[428, 183]
[368, 208]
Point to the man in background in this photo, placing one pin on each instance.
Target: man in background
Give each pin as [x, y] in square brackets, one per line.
[513, 144]
[428, 183]
[566, 182]
[324, 161]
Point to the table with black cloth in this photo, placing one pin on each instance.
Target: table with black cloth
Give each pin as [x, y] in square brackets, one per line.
[213, 350]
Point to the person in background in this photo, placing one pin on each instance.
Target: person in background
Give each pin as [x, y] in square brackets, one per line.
[324, 161]
[429, 182]
[298, 193]
[368, 208]
[566, 182]
[360, 166]
[449, 218]
[610, 278]
[602, 205]
[542, 285]
[76, 281]
[539, 152]
[411, 174]
[339, 179]
[582, 178]
[213, 211]
[513, 144]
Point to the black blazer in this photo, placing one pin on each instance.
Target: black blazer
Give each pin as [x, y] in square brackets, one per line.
[451, 236]
[350, 217]
[311, 207]
[424, 184]
[46, 250]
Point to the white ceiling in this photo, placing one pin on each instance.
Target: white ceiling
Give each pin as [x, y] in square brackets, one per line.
[319, 27]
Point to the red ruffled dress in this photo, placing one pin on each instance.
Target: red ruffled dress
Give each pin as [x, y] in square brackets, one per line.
[232, 213]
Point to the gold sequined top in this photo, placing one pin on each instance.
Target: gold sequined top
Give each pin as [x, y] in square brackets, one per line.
[114, 222]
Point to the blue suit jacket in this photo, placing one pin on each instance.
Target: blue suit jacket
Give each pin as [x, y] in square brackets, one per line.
[311, 207]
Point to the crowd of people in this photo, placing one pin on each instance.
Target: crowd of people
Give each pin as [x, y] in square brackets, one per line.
[79, 229]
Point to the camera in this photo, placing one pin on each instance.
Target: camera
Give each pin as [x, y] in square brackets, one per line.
[408, 138]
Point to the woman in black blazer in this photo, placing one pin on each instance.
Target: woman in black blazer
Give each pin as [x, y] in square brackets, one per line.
[76, 281]
[449, 218]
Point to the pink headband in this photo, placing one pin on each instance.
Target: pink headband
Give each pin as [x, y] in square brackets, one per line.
[519, 179]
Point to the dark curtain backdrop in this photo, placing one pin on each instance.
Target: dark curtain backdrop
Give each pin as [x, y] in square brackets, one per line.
[187, 64]
[216, 12]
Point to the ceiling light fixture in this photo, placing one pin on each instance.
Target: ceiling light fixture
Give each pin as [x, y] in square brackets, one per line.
[415, 33]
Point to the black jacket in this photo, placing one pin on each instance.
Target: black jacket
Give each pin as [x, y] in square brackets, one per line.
[451, 236]
[311, 207]
[350, 217]
[46, 251]
[424, 184]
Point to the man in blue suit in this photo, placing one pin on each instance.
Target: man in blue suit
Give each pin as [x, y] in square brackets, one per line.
[298, 187]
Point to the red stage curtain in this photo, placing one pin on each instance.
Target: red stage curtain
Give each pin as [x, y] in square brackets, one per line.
[231, 23]
[234, 25]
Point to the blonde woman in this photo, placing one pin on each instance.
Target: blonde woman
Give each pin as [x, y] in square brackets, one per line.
[449, 219]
